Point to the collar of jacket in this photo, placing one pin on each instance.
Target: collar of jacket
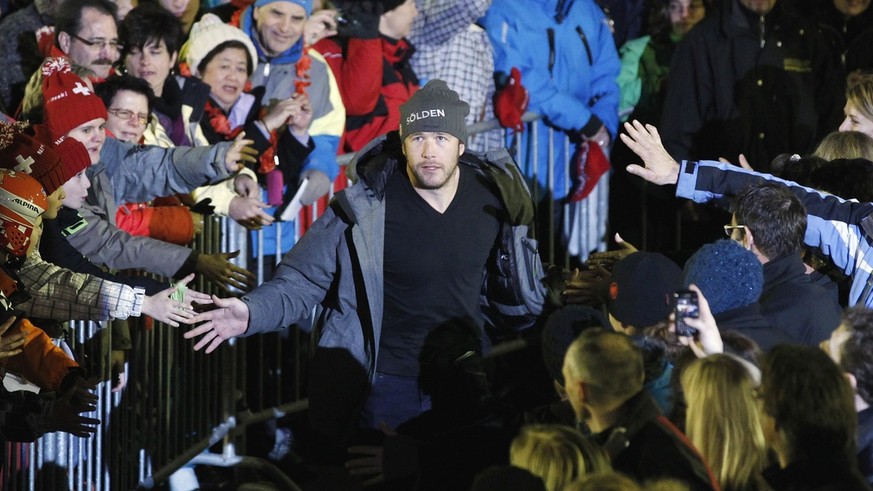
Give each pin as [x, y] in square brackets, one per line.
[285, 58]
[783, 269]
[638, 411]
[748, 316]
[378, 160]
[740, 21]
[396, 51]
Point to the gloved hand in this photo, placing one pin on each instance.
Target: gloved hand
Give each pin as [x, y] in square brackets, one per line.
[319, 185]
[361, 19]
[511, 102]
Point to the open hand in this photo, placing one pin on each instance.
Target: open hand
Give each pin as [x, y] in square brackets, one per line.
[240, 153]
[658, 166]
[228, 320]
[219, 270]
[249, 212]
[609, 258]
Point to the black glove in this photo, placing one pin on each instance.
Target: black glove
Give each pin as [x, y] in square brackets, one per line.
[203, 207]
[360, 19]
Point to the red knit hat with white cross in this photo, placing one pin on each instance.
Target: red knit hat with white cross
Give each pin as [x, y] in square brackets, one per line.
[69, 102]
[22, 153]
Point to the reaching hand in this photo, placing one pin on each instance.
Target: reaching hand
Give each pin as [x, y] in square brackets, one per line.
[12, 344]
[217, 269]
[300, 119]
[587, 287]
[230, 319]
[249, 212]
[609, 258]
[239, 153]
[246, 187]
[66, 416]
[742, 162]
[658, 166]
[319, 25]
[163, 308]
[81, 393]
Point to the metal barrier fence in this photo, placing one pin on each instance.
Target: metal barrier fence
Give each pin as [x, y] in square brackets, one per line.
[182, 408]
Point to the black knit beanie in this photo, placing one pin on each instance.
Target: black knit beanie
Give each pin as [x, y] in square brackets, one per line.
[434, 108]
[641, 288]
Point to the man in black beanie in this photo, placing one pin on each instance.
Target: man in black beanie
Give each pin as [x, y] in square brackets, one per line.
[397, 255]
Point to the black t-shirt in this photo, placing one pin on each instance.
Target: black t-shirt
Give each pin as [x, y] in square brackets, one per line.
[433, 264]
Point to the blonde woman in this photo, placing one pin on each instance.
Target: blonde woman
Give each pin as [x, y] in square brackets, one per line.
[859, 107]
[722, 420]
[557, 454]
[845, 145]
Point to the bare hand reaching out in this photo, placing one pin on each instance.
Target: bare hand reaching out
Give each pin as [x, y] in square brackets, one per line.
[228, 320]
[658, 166]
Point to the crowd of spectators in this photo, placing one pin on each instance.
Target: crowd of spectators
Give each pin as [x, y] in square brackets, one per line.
[126, 124]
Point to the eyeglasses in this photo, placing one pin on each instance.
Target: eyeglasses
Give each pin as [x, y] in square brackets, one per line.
[101, 44]
[729, 229]
[128, 115]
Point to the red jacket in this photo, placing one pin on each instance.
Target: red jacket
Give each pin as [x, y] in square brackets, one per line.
[374, 79]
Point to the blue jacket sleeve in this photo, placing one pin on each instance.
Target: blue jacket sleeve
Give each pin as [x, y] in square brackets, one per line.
[833, 224]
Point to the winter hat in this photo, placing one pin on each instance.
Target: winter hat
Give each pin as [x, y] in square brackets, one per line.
[435, 107]
[641, 288]
[69, 102]
[306, 4]
[22, 201]
[74, 156]
[728, 275]
[206, 35]
[23, 153]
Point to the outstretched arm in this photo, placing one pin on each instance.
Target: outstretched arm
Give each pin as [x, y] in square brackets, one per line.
[229, 320]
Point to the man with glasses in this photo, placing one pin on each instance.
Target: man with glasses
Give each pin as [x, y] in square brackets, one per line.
[87, 33]
[768, 219]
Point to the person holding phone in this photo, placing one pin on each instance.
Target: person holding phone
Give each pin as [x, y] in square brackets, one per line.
[732, 280]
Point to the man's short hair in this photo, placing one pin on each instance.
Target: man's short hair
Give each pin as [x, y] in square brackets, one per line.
[812, 403]
[856, 352]
[609, 363]
[776, 218]
[69, 15]
[147, 23]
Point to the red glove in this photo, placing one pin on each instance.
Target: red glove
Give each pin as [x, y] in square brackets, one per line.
[588, 164]
[511, 102]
